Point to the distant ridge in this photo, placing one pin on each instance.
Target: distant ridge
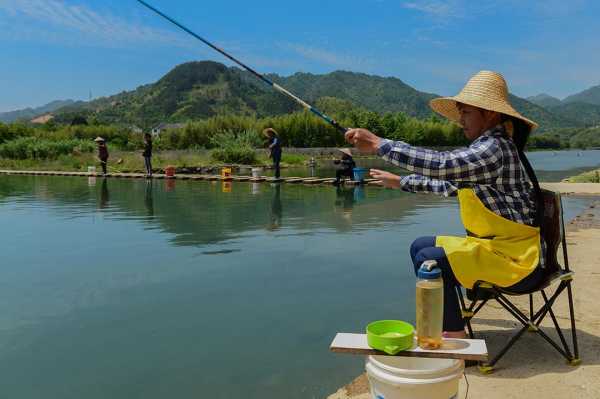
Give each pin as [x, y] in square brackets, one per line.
[197, 90]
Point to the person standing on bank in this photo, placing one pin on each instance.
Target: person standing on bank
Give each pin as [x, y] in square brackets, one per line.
[102, 153]
[274, 148]
[497, 201]
[147, 154]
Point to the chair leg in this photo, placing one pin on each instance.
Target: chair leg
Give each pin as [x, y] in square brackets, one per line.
[512, 309]
[576, 359]
[467, 314]
[530, 328]
[506, 347]
[557, 327]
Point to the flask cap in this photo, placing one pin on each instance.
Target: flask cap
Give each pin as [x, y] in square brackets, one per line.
[429, 270]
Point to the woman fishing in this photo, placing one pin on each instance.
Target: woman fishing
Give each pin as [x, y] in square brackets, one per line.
[497, 201]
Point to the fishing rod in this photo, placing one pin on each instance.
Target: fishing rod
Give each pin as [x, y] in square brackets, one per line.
[252, 71]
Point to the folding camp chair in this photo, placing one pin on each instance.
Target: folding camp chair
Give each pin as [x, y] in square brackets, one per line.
[553, 231]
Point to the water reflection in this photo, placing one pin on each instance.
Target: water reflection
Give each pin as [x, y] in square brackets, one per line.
[201, 213]
[345, 197]
[275, 219]
[104, 195]
[148, 198]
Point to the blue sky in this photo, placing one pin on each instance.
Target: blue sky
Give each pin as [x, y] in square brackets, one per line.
[59, 49]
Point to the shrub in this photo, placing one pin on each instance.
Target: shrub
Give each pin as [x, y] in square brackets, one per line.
[33, 148]
[234, 148]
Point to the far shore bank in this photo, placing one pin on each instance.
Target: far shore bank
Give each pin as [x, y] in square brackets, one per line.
[200, 161]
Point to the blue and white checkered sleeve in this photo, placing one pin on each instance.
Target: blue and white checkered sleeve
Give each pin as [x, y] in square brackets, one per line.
[421, 184]
[481, 162]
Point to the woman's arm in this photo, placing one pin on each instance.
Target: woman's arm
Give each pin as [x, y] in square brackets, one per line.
[421, 184]
[415, 183]
[275, 141]
[481, 162]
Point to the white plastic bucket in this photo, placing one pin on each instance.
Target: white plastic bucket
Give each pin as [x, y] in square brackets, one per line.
[395, 377]
[91, 169]
[256, 172]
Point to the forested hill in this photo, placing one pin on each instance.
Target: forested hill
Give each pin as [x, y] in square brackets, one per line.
[198, 90]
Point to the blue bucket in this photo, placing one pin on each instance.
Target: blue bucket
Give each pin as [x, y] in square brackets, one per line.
[359, 174]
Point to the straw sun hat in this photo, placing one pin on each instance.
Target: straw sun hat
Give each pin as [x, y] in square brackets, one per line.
[487, 90]
[345, 151]
[270, 131]
[99, 139]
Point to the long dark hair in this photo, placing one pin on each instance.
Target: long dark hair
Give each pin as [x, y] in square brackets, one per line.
[520, 135]
[521, 132]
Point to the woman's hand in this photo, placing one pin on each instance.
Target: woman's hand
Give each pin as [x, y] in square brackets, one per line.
[365, 141]
[387, 179]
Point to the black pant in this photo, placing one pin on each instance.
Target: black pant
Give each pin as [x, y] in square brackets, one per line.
[341, 173]
[148, 164]
[103, 163]
[276, 161]
[424, 248]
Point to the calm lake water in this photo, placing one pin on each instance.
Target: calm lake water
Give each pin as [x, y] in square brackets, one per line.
[551, 166]
[176, 289]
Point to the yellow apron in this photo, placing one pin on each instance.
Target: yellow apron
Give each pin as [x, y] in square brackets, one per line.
[497, 250]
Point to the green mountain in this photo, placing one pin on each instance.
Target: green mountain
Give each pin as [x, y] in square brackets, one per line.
[189, 91]
[544, 100]
[584, 113]
[371, 92]
[589, 96]
[30, 113]
[547, 120]
[199, 90]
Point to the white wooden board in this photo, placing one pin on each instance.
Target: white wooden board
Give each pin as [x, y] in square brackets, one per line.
[466, 349]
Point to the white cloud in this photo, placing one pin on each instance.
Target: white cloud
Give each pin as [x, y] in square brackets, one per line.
[78, 24]
[326, 56]
[438, 9]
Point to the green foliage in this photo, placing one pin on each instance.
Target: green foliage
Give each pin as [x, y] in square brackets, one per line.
[34, 148]
[234, 148]
[293, 159]
[586, 177]
[545, 141]
[586, 138]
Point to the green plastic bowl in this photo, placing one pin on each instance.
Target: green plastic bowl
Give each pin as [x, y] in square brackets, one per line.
[390, 336]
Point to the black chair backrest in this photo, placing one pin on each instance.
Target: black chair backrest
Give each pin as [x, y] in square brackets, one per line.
[551, 229]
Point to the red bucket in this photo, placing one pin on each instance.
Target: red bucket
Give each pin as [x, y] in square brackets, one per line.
[170, 171]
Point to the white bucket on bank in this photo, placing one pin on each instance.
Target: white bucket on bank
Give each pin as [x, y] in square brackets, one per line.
[256, 172]
[91, 169]
[395, 377]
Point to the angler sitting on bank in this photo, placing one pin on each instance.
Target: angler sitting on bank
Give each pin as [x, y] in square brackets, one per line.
[497, 201]
[345, 165]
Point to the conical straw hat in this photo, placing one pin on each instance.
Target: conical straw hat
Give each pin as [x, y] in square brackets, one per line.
[487, 90]
[345, 151]
[99, 139]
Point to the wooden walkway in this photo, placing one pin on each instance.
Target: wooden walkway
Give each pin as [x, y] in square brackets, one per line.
[234, 178]
[563, 188]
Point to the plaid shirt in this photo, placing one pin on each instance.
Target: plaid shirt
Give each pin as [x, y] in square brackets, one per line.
[490, 166]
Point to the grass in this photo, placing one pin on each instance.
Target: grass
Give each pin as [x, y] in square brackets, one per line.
[586, 177]
[133, 161]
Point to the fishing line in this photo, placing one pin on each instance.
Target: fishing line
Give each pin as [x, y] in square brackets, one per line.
[247, 68]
